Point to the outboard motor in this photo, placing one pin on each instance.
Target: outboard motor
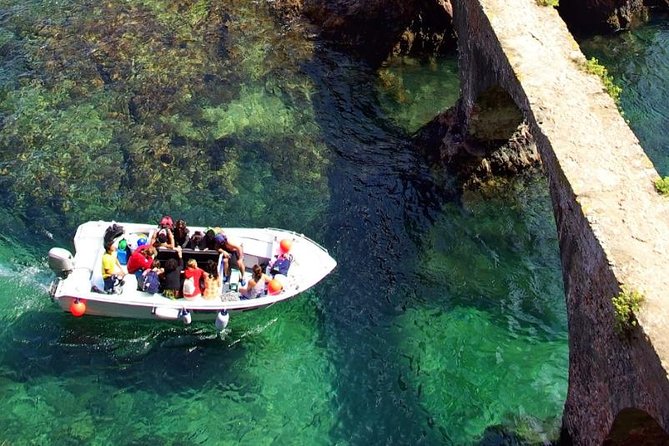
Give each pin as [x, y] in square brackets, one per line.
[61, 262]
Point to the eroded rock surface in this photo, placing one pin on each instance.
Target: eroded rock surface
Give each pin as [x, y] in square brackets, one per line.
[482, 151]
[376, 29]
[605, 15]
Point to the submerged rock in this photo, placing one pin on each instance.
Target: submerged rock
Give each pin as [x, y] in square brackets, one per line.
[474, 155]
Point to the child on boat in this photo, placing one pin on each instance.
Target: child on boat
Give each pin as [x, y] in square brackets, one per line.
[181, 233]
[141, 260]
[192, 288]
[151, 278]
[112, 271]
[163, 237]
[256, 285]
[172, 276]
[213, 281]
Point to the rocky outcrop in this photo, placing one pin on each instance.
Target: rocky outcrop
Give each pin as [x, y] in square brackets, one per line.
[604, 15]
[430, 32]
[376, 29]
[482, 151]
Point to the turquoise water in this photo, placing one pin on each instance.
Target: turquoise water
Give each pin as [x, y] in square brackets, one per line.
[444, 322]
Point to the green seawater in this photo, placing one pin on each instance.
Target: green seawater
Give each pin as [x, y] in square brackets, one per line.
[444, 322]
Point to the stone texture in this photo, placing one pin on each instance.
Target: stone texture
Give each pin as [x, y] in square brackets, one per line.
[377, 29]
[613, 227]
[496, 143]
[603, 15]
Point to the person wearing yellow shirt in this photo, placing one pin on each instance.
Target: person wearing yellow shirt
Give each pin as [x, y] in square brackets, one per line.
[112, 271]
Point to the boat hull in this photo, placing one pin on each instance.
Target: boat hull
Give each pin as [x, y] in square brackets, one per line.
[311, 263]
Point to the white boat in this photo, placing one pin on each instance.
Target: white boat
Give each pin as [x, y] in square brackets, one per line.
[77, 287]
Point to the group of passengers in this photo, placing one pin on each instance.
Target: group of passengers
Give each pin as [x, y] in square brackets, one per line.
[178, 235]
[171, 278]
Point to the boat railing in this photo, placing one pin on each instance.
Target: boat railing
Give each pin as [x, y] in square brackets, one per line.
[299, 235]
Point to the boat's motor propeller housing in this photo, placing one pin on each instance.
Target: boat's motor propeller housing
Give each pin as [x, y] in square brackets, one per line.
[61, 262]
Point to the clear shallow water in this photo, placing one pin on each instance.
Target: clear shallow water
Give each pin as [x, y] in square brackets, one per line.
[444, 322]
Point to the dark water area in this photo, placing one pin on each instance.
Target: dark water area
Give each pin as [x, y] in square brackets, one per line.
[444, 322]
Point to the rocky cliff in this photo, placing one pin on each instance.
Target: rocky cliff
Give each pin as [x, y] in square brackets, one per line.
[588, 16]
[377, 29]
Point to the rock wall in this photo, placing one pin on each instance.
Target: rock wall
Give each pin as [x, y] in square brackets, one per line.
[377, 29]
[603, 15]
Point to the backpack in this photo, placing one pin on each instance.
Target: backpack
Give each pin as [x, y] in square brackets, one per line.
[151, 282]
[281, 265]
[189, 287]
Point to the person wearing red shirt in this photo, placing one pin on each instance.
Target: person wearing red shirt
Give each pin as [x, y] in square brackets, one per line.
[141, 260]
[192, 288]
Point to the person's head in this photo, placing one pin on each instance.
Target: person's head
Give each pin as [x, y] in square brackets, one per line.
[171, 265]
[109, 247]
[180, 227]
[166, 222]
[220, 239]
[162, 237]
[150, 252]
[192, 263]
[155, 264]
[257, 272]
[197, 238]
[210, 239]
[212, 268]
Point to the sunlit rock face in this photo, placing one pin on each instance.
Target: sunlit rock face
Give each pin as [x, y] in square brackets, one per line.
[605, 15]
[376, 29]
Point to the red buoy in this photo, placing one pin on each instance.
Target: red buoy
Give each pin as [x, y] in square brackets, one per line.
[285, 245]
[77, 308]
[274, 287]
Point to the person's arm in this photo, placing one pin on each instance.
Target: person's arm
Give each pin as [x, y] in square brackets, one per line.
[205, 276]
[119, 267]
[108, 266]
[249, 286]
[154, 235]
[170, 239]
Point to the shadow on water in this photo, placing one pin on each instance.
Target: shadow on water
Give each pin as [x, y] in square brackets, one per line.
[125, 354]
[405, 246]
[381, 195]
